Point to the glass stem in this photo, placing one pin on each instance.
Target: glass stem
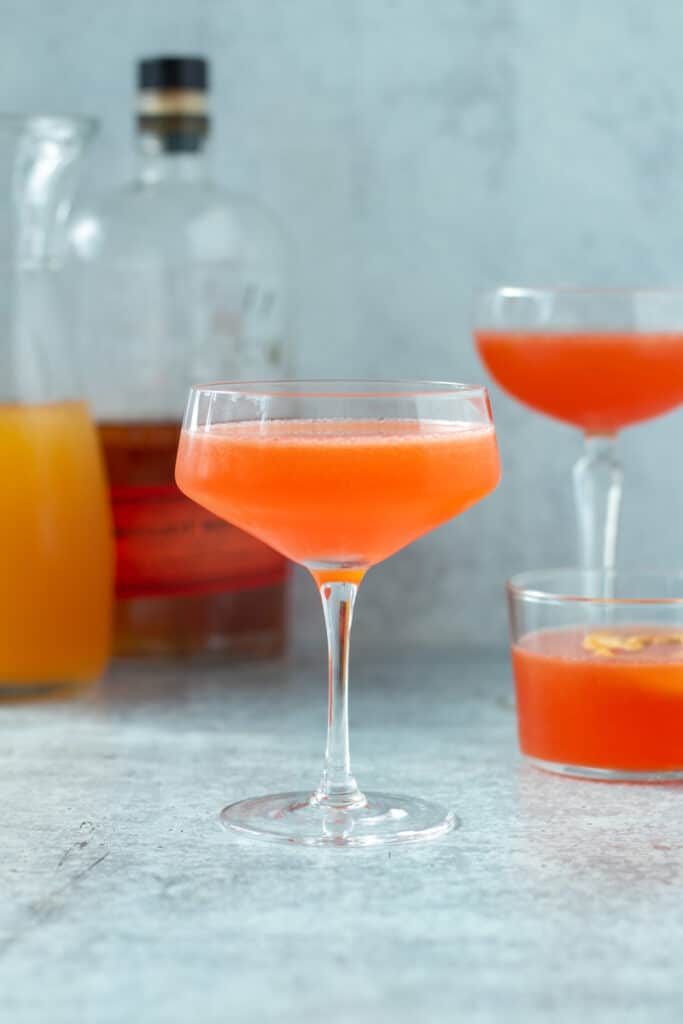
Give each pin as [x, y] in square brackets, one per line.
[598, 478]
[337, 785]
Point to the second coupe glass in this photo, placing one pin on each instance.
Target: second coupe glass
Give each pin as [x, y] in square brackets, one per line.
[598, 359]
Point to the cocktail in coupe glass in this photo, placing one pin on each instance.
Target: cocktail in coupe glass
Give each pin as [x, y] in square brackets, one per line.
[598, 359]
[337, 476]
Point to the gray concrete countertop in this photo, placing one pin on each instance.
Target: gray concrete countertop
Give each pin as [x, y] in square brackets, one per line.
[122, 901]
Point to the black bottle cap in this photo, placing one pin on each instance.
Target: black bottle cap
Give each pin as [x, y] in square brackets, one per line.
[173, 73]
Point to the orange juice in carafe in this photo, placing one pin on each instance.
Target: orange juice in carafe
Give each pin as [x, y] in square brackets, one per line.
[55, 535]
[55, 548]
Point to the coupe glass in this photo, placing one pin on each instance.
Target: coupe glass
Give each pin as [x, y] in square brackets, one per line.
[598, 359]
[337, 476]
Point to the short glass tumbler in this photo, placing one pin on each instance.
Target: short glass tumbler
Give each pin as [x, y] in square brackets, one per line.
[597, 658]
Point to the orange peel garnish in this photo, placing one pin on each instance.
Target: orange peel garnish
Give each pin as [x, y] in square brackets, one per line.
[606, 645]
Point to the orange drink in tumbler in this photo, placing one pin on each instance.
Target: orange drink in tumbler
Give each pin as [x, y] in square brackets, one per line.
[597, 659]
[581, 702]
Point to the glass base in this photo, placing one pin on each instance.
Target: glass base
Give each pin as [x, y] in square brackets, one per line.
[37, 691]
[304, 819]
[605, 774]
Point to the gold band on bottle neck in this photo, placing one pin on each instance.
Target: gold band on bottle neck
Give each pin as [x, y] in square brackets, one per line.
[167, 102]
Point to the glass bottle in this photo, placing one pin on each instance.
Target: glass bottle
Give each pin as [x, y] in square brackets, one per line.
[184, 282]
[56, 552]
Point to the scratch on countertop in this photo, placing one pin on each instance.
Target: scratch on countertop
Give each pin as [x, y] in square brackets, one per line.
[41, 910]
[85, 826]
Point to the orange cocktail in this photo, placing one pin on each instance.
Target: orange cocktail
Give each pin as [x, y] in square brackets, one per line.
[331, 493]
[597, 358]
[338, 475]
[608, 698]
[597, 380]
[57, 559]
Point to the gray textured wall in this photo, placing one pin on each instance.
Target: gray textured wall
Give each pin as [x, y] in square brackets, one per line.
[417, 149]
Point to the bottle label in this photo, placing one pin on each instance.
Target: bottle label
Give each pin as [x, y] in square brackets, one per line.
[167, 545]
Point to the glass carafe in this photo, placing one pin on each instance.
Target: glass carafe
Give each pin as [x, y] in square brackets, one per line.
[55, 541]
[40, 160]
